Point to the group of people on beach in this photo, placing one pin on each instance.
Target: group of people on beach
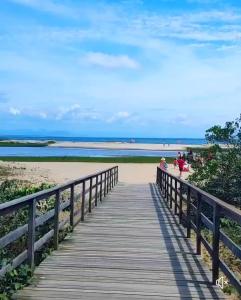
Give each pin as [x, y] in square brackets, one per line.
[182, 162]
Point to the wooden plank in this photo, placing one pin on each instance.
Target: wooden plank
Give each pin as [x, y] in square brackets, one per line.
[131, 247]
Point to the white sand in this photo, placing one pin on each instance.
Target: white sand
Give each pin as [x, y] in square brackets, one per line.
[124, 146]
[60, 172]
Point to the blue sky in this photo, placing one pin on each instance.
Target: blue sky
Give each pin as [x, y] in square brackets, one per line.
[154, 68]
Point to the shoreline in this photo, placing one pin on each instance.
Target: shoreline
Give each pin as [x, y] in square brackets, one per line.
[126, 146]
[100, 145]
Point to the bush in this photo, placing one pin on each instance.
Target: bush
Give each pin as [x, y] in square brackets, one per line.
[9, 190]
[220, 175]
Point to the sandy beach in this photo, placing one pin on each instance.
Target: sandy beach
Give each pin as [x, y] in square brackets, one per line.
[125, 146]
[60, 172]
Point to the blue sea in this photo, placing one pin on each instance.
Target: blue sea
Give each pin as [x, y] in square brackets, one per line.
[62, 151]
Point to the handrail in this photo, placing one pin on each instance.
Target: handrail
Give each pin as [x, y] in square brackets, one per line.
[181, 193]
[6, 207]
[100, 184]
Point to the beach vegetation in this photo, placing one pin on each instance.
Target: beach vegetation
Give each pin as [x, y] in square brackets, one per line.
[6, 143]
[4, 172]
[16, 279]
[220, 172]
[220, 175]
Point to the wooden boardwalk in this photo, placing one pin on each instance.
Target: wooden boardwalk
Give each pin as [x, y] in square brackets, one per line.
[130, 247]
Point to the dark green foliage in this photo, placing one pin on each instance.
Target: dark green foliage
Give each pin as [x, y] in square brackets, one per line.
[220, 174]
[25, 144]
[9, 190]
[12, 189]
[232, 230]
[14, 280]
[230, 133]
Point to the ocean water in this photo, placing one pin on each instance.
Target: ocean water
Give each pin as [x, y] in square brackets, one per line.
[189, 141]
[61, 151]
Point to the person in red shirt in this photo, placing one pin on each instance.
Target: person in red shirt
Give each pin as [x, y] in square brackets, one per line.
[180, 163]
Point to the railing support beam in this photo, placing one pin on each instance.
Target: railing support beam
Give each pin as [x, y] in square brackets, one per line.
[31, 233]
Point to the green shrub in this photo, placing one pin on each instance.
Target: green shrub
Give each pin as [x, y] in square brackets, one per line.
[19, 277]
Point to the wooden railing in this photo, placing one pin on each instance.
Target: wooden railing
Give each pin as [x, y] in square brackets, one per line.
[81, 195]
[190, 204]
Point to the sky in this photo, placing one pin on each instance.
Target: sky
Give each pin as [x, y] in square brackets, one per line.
[140, 68]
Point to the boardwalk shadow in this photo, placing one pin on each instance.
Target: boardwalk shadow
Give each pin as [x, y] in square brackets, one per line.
[181, 252]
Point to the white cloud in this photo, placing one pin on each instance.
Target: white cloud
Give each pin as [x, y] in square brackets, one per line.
[141, 28]
[14, 111]
[121, 115]
[76, 112]
[64, 111]
[181, 69]
[111, 61]
[181, 119]
[43, 115]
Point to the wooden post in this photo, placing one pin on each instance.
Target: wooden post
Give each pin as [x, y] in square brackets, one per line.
[31, 233]
[107, 182]
[198, 224]
[90, 195]
[162, 182]
[171, 189]
[175, 208]
[166, 186]
[158, 178]
[116, 175]
[180, 204]
[72, 206]
[96, 191]
[109, 188]
[112, 178]
[188, 212]
[157, 175]
[216, 236]
[101, 179]
[117, 171]
[167, 189]
[56, 220]
[105, 186]
[83, 202]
